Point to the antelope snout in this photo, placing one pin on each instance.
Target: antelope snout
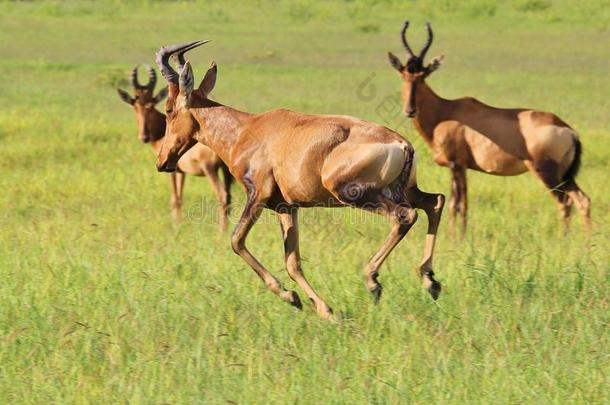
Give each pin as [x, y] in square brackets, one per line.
[144, 138]
[163, 165]
[410, 113]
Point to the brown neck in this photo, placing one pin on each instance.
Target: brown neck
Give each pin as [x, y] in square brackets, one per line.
[220, 127]
[157, 130]
[158, 125]
[430, 110]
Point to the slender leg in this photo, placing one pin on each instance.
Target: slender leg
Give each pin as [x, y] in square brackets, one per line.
[403, 218]
[227, 181]
[180, 178]
[238, 241]
[547, 172]
[565, 206]
[290, 232]
[402, 215]
[463, 200]
[432, 204]
[176, 198]
[455, 197]
[221, 196]
[582, 200]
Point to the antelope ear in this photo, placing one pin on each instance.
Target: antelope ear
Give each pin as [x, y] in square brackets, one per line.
[209, 80]
[434, 64]
[125, 96]
[395, 62]
[185, 82]
[161, 95]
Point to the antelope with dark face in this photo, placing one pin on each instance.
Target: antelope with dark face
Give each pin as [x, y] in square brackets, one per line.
[467, 134]
[199, 161]
[286, 160]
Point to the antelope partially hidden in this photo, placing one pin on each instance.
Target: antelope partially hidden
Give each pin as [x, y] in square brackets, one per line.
[199, 161]
[467, 134]
[286, 160]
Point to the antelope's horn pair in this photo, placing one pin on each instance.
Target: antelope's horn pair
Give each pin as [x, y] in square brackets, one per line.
[177, 53]
[424, 50]
[152, 79]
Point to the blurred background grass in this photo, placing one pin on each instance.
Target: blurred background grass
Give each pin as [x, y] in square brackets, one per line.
[105, 300]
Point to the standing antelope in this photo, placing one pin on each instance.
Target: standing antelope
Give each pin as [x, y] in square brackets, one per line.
[467, 134]
[287, 160]
[199, 161]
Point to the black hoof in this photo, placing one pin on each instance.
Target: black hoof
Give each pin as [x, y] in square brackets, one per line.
[295, 301]
[431, 285]
[376, 291]
[435, 290]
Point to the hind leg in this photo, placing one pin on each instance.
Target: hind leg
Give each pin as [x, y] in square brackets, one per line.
[453, 200]
[547, 172]
[403, 218]
[463, 203]
[582, 200]
[402, 215]
[458, 203]
[432, 204]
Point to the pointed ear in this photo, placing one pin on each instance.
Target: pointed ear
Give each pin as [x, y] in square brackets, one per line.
[434, 64]
[186, 81]
[209, 80]
[395, 62]
[125, 96]
[161, 95]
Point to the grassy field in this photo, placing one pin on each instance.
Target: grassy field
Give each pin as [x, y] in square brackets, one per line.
[104, 300]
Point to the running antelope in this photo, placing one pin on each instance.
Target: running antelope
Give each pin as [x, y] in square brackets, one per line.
[286, 160]
[199, 161]
[467, 134]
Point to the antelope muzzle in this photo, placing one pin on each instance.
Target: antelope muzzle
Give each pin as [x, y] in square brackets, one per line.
[165, 164]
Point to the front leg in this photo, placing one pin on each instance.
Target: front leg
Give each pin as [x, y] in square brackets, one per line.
[176, 181]
[223, 208]
[290, 231]
[251, 212]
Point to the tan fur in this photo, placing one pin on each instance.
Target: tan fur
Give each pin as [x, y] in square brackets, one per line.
[199, 161]
[467, 134]
[287, 160]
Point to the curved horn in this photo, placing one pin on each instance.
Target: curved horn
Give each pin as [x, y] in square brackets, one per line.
[179, 56]
[164, 54]
[152, 78]
[403, 35]
[424, 50]
[134, 78]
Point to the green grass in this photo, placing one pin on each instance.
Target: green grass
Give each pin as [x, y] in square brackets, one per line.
[104, 300]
